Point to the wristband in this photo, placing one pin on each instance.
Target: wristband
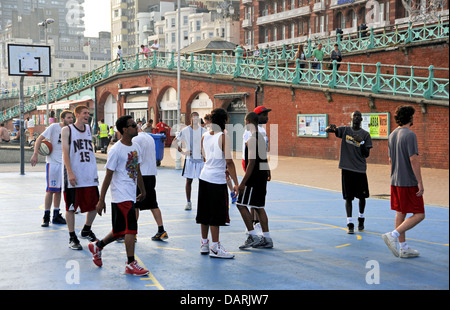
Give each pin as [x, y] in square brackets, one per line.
[361, 143]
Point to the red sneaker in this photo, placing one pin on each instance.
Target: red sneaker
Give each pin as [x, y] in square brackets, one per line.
[96, 253]
[134, 269]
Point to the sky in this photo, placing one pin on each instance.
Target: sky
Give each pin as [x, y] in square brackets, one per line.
[97, 17]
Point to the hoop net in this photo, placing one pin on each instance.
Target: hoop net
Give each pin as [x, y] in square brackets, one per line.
[31, 73]
[424, 11]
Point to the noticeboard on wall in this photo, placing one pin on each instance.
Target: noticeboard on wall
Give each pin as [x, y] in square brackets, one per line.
[376, 124]
[312, 125]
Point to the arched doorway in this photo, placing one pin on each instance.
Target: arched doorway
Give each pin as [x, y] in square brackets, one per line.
[202, 104]
[110, 110]
[168, 107]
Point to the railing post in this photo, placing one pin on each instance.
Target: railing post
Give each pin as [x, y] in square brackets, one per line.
[332, 83]
[409, 39]
[428, 93]
[191, 65]
[283, 52]
[371, 39]
[106, 74]
[376, 87]
[297, 76]
[172, 61]
[154, 60]
[120, 69]
[213, 64]
[239, 51]
[309, 49]
[136, 62]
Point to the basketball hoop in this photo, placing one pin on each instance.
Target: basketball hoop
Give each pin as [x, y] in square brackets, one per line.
[31, 73]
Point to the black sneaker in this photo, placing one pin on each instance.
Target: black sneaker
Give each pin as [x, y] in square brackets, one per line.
[45, 221]
[360, 223]
[88, 235]
[58, 219]
[160, 236]
[74, 244]
[350, 227]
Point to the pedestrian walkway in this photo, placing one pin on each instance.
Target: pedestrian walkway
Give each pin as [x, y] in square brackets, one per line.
[312, 250]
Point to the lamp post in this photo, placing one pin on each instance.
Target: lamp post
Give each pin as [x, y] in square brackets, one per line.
[178, 155]
[225, 9]
[45, 24]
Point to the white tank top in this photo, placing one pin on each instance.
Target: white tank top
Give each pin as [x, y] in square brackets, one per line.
[82, 157]
[214, 169]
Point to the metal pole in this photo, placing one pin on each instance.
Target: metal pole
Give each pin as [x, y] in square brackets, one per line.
[178, 155]
[22, 131]
[46, 79]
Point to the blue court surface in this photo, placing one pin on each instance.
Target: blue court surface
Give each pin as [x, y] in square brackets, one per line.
[312, 250]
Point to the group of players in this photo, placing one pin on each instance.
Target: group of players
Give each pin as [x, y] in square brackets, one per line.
[131, 175]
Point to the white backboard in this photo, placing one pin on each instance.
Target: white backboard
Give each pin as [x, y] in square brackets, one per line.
[25, 58]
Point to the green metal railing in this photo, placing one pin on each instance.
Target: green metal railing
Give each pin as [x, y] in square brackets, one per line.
[375, 78]
[365, 40]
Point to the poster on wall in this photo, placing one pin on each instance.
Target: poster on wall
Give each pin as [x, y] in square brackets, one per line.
[312, 125]
[377, 124]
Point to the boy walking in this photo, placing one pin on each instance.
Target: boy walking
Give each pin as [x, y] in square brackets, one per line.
[122, 173]
[406, 183]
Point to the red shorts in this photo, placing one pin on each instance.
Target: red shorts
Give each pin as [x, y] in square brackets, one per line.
[123, 219]
[404, 200]
[85, 198]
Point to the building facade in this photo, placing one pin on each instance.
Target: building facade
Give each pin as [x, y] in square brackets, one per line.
[278, 22]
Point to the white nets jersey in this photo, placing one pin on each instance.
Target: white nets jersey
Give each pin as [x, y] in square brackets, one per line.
[82, 158]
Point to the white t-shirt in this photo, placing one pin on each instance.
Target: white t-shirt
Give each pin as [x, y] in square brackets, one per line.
[148, 153]
[30, 123]
[193, 142]
[247, 136]
[53, 134]
[124, 161]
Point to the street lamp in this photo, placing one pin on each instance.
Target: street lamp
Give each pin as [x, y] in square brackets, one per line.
[45, 24]
[225, 9]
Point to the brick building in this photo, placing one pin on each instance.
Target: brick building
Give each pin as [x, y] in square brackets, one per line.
[280, 22]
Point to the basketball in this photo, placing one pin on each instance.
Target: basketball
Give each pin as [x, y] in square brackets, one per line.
[45, 148]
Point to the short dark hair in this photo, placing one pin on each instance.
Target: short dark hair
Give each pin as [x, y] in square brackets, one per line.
[64, 113]
[253, 118]
[122, 122]
[404, 114]
[219, 117]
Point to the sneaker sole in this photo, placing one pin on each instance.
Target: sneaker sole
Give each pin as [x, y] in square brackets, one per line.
[137, 275]
[222, 257]
[76, 249]
[388, 243]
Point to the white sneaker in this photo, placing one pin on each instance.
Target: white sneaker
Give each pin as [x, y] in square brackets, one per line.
[219, 252]
[204, 248]
[391, 242]
[188, 206]
[408, 253]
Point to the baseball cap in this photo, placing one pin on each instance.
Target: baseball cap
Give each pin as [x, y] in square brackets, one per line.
[261, 109]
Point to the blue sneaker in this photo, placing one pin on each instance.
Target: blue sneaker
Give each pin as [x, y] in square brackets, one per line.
[233, 199]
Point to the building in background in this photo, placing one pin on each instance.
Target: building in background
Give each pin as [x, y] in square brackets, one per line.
[278, 22]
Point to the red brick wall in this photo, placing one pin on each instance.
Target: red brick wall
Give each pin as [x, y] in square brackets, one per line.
[431, 128]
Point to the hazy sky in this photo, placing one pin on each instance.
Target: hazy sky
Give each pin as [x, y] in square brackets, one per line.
[97, 17]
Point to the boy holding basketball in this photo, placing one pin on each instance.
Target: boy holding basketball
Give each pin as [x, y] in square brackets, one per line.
[53, 167]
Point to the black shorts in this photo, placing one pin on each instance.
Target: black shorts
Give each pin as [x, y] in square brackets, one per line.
[150, 198]
[253, 196]
[354, 185]
[123, 219]
[212, 206]
[84, 198]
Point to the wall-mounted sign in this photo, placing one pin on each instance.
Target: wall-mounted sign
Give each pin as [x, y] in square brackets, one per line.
[312, 125]
[377, 124]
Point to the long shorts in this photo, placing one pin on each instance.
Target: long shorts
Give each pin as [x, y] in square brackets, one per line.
[123, 219]
[212, 204]
[150, 198]
[253, 196]
[354, 185]
[84, 198]
[192, 169]
[404, 200]
[54, 177]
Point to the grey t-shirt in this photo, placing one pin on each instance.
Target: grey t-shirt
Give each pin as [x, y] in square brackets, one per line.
[351, 157]
[402, 145]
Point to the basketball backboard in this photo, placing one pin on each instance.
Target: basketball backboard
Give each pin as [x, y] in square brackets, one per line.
[26, 59]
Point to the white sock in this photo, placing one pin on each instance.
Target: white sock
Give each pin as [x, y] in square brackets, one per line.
[252, 232]
[266, 234]
[361, 215]
[349, 220]
[404, 245]
[204, 241]
[214, 244]
[395, 234]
